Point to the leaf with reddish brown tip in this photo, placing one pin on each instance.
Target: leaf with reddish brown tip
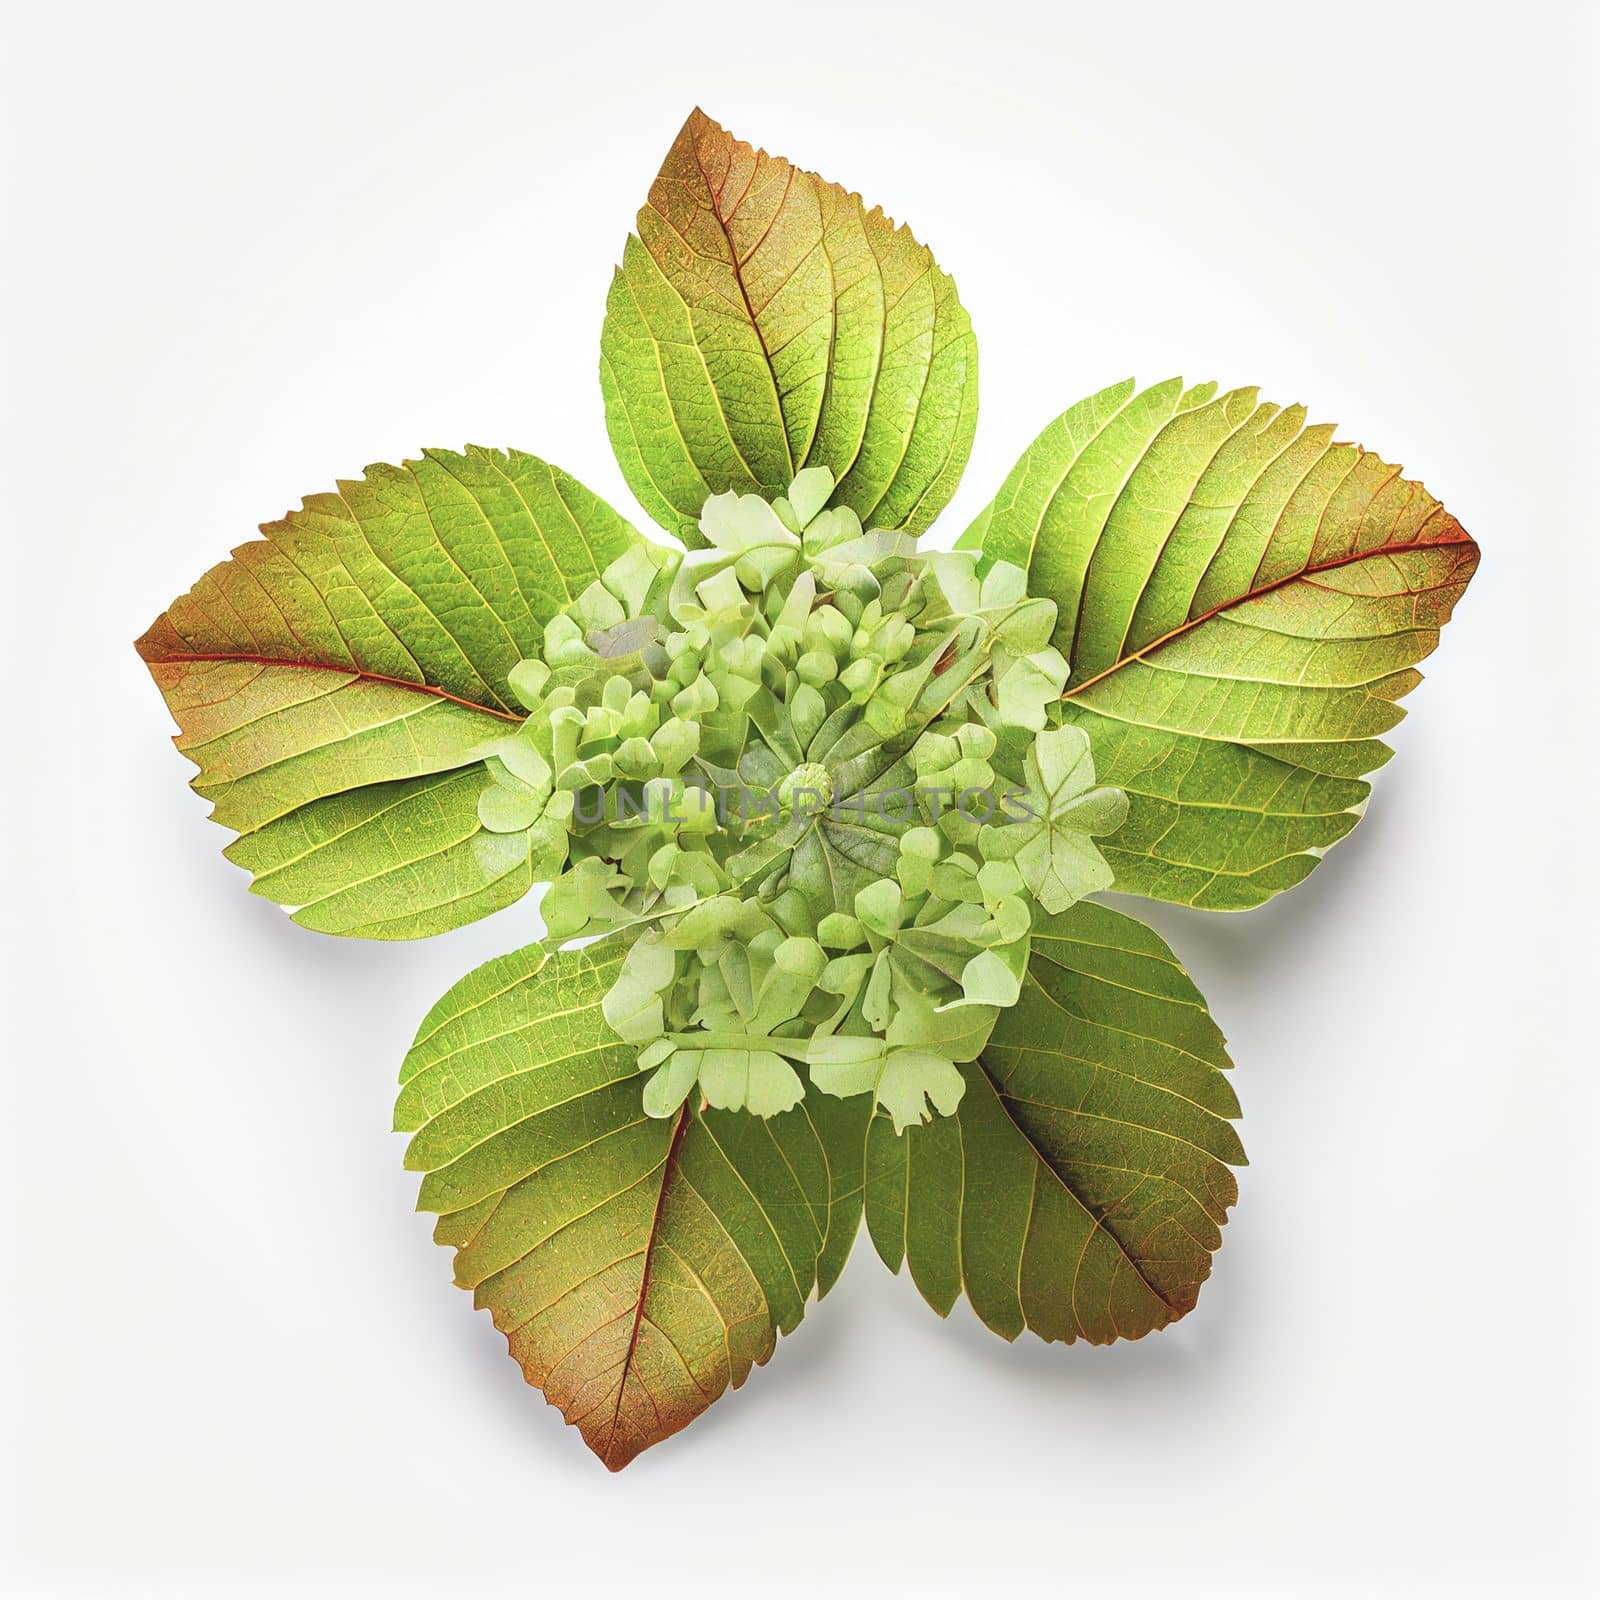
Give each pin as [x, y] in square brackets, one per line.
[764, 320]
[338, 681]
[1243, 602]
[638, 1267]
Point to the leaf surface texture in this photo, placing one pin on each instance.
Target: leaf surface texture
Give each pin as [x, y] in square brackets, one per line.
[1243, 602]
[763, 321]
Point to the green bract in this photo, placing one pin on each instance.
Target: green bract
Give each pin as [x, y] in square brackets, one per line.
[817, 810]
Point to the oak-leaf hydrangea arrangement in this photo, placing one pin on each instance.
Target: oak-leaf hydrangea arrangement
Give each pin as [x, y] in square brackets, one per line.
[821, 812]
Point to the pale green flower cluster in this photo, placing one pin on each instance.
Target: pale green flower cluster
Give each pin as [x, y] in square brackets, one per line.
[819, 781]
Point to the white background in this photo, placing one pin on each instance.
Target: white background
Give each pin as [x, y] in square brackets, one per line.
[255, 248]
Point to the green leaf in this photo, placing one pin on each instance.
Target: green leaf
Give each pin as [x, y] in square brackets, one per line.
[390, 860]
[1082, 1184]
[1243, 602]
[339, 682]
[841, 1125]
[764, 321]
[638, 1267]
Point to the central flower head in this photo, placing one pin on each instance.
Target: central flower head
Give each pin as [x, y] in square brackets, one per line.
[865, 925]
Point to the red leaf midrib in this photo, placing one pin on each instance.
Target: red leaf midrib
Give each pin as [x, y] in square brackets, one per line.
[329, 666]
[1464, 542]
[669, 1167]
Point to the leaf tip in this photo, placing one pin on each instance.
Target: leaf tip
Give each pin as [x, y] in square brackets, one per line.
[153, 643]
[698, 124]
